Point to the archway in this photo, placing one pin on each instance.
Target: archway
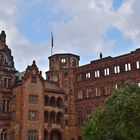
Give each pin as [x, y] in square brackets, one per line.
[55, 135]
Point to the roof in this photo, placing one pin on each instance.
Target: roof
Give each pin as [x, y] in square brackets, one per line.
[52, 87]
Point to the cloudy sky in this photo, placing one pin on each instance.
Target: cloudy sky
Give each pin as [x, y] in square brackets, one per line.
[83, 27]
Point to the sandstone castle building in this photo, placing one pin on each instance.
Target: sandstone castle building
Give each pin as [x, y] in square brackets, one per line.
[55, 108]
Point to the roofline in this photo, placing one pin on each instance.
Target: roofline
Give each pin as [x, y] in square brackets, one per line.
[57, 54]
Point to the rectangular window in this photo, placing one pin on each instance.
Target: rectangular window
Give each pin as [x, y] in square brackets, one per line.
[34, 79]
[32, 135]
[63, 60]
[107, 90]
[5, 83]
[116, 86]
[127, 67]
[88, 75]
[33, 115]
[138, 64]
[79, 77]
[97, 92]
[80, 94]
[117, 69]
[33, 99]
[106, 71]
[97, 73]
[88, 92]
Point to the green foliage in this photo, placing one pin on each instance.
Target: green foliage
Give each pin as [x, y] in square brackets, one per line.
[119, 119]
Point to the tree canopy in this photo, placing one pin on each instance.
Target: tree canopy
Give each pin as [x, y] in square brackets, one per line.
[118, 119]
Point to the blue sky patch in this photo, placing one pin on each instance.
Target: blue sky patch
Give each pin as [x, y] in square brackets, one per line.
[122, 43]
[117, 4]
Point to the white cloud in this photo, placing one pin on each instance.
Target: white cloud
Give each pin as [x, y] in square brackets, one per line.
[89, 20]
[81, 31]
[129, 20]
[23, 50]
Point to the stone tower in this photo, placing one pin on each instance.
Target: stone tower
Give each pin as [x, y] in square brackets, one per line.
[62, 72]
[7, 77]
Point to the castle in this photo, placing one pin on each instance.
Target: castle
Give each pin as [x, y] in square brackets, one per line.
[55, 108]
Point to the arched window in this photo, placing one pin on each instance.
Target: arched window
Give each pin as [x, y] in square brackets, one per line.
[52, 117]
[3, 134]
[32, 135]
[59, 102]
[59, 117]
[46, 100]
[52, 101]
[46, 116]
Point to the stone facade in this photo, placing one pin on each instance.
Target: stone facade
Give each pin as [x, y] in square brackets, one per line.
[7, 77]
[55, 108]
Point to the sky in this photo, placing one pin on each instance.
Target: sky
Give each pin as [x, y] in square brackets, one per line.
[82, 27]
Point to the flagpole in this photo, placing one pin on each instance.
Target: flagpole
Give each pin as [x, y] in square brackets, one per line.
[51, 43]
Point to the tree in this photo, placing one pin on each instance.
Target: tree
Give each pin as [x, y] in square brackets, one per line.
[118, 119]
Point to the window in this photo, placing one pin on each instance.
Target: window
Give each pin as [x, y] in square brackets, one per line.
[116, 86]
[80, 94]
[32, 135]
[46, 116]
[97, 92]
[63, 60]
[106, 71]
[33, 115]
[79, 77]
[88, 75]
[97, 73]
[34, 79]
[33, 99]
[46, 100]
[88, 92]
[117, 69]
[107, 90]
[5, 83]
[3, 135]
[127, 67]
[5, 105]
[138, 64]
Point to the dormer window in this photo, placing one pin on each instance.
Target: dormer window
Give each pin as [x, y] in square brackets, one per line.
[34, 79]
[63, 60]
